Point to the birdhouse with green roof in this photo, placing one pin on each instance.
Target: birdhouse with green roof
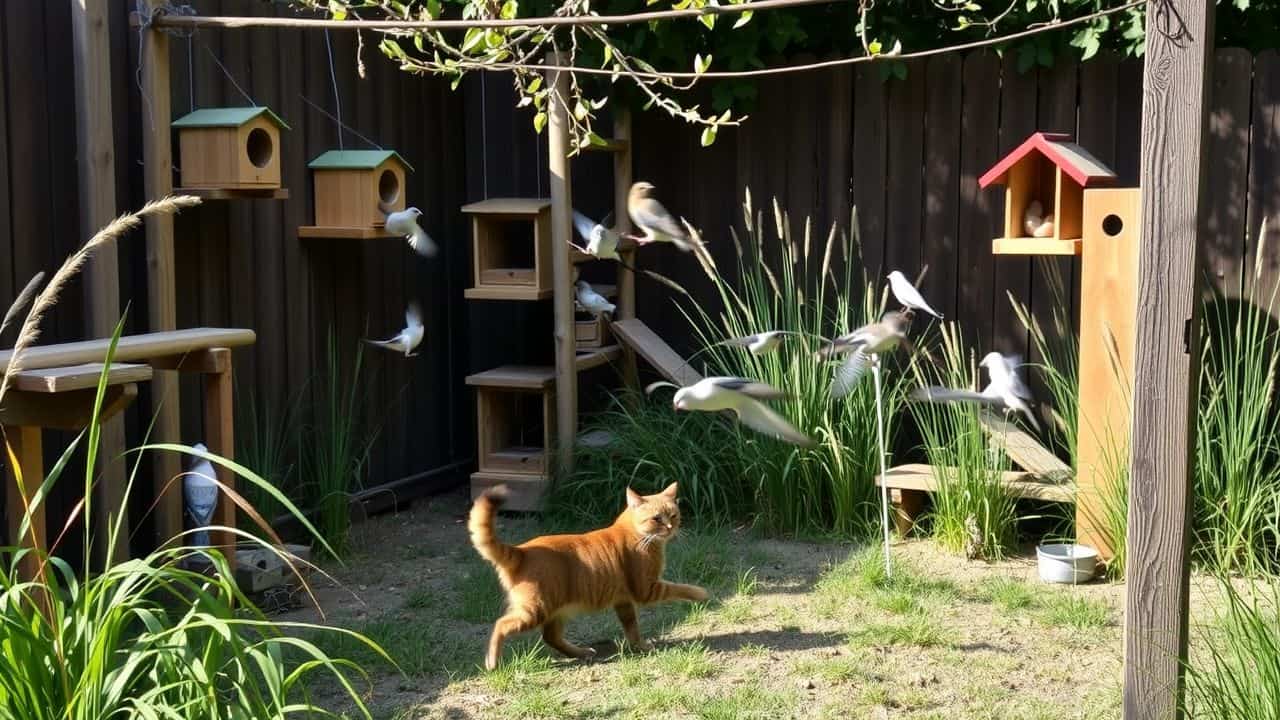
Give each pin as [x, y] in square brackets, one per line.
[356, 189]
[230, 148]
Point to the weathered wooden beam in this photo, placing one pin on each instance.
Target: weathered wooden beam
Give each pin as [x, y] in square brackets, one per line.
[558, 146]
[208, 362]
[162, 309]
[91, 45]
[65, 410]
[1179, 60]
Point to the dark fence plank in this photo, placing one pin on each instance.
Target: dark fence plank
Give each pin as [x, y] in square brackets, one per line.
[1264, 168]
[939, 248]
[904, 183]
[869, 164]
[1223, 230]
[7, 290]
[1013, 272]
[981, 211]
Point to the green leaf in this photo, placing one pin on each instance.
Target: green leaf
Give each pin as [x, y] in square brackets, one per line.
[743, 19]
[708, 20]
[539, 122]
[700, 64]
[338, 9]
[535, 83]
[433, 9]
[580, 111]
[874, 47]
[473, 38]
[509, 9]
[708, 135]
[608, 55]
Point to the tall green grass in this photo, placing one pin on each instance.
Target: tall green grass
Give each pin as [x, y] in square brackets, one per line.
[1234, 668]
[143, 637]
[785, 280]
[972, 512]
[335, 448]
[1237, 467]
[266, 443]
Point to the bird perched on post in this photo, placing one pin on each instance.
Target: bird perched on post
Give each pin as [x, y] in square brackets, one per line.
[657, 224]
[405, 222]
[1005, 389]
[592, 301]
[863, 345]
[908, 296]
[743, 398]
[409, 337]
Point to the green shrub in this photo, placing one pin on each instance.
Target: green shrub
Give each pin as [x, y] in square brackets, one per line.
[1234, 668]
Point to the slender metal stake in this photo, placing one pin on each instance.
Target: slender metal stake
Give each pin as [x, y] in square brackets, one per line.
[884, 488]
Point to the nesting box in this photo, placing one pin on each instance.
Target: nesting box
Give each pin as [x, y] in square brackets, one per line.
[591, 332]
[511, 249]
[230, 148]
[515, 414]
[356, 189]
[1049, 169]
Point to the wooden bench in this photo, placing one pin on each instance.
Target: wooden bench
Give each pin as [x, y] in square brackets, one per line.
[61, 399]
[206, 351]
[909, 484]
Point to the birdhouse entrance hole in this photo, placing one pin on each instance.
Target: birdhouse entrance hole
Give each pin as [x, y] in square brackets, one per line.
[388, 187]
[259, 147]
[1112, 225]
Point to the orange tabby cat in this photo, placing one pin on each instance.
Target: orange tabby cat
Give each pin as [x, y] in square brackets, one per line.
[554, 577]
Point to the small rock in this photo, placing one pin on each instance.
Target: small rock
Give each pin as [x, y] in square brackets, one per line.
[805, 684]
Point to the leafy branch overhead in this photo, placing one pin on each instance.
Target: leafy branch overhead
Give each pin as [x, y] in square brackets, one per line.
[662, 63]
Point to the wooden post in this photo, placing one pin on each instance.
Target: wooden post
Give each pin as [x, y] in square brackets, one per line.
[25, 443]
[562, 270]
[92, 47]
[1179, 54]
[622, 179]
[162, 313]
[220, 439]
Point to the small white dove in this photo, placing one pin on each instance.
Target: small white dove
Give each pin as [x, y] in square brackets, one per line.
[409, 337]
[907, 295]
[760, 343]
[405, 223]
[741, 396]
[200, 495]
[592, 301]
[601, 242]
[1005, 390]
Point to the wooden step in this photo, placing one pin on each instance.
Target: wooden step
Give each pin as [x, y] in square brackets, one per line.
[515, 377]
[1025, 451]
[636, 335]
[518, 207]
[909, 484]
[524, 492]
[507, 292]
[588, 359]
[78, 377]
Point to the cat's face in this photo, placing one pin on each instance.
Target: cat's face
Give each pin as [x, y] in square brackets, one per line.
[655, 516]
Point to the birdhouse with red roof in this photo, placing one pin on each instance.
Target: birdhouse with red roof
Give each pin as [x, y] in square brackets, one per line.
[1045, 179]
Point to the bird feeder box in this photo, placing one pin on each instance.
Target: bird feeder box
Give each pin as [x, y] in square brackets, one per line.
[230, 148]
[1053, 172]
[511, 249]
[354, 192]
[515, 408]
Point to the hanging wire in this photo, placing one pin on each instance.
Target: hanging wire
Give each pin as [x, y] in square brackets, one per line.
[191, 76]
[225, 72]
[337, 99]
[329, 115]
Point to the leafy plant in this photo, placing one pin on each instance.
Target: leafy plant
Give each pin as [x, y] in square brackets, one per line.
[972, 512]
[143, 637]
[266, 442]
[788, 283]
[335, 450]
[1234, 668]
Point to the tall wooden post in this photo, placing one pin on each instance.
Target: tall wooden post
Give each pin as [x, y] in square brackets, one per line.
[97, 175]
[1179, 53]
[162, 313]
[622, 221]
[558, 145]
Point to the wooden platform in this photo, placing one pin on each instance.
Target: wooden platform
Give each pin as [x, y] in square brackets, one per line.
[516, 377]
[78, 377]
[513, 292]
[909, 484]
[522, 207]
[587, 359]
[1025, 451]
[637, 336]
[235, 193]
[344, 233]
[131, 348]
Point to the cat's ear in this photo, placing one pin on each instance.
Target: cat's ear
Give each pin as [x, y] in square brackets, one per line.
[670, 491]
[633, 499]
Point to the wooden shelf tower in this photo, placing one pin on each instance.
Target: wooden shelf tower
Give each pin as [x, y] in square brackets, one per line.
[527, 416]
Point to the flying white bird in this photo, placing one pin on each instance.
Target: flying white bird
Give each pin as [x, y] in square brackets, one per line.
[405, 223]
[601, 242]
[592, 301]
[762, 342]
[200, 495]
[907, 294]
[409, 337]
[1004, 391]
[742, 397]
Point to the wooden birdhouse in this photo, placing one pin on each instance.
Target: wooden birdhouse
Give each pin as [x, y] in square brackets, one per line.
[230, 148]
[1045, 179]
[511, 249]
[354, 192]
[515, 414]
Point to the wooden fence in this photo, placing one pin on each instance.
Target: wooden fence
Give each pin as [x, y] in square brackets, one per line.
[906, 152]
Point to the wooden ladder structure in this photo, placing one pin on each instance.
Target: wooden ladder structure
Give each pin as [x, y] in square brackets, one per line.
[512, 401]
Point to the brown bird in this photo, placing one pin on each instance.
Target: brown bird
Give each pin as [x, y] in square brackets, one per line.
[657, 224]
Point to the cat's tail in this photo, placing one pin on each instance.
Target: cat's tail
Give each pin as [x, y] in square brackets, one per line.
[480, 524]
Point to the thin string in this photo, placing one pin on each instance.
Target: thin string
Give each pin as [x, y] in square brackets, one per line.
[230, 79]
[348, 128]
[191, 76]
[337, 99]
